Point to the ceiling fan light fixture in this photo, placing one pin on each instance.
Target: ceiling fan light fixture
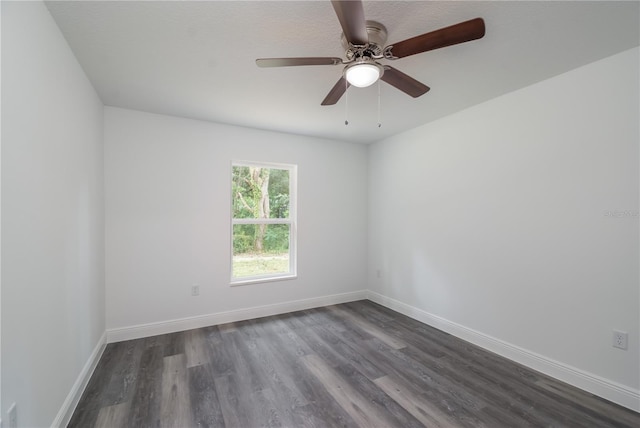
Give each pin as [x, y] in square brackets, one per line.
[363, 73]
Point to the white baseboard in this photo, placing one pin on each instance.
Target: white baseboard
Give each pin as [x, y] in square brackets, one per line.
[609, 390]
[172, 326]
[69, 406]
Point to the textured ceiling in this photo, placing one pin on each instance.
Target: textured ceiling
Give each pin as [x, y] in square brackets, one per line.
[197, 59]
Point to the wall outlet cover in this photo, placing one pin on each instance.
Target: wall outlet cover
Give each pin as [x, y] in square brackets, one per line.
[620, 339]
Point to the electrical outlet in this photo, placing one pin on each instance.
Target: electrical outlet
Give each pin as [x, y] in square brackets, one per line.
[620, 339]
[12, 415]
[195, 290]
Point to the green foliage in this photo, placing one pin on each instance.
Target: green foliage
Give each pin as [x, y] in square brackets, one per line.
[276, 238]
[279, 193]
[243, 238]
[279, 205]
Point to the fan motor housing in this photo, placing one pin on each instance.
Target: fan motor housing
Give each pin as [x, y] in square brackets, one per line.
[377, 38]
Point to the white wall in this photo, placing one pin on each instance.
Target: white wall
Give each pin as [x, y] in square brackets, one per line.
[168, 217]
[494, 219]
[52, 215]
[1, 407]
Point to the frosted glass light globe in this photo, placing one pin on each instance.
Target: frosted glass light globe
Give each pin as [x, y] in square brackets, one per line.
[363, 74]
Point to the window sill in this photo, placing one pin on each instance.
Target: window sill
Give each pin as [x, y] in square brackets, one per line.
[260, 280]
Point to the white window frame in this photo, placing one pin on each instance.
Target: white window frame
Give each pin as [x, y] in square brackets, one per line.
[291, 221]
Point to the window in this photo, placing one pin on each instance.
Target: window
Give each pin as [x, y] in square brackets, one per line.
[263, 223]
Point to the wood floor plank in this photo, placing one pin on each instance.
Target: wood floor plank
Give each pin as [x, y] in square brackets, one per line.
[270, 357]
[146, 400]
[352, 365]
[211, 334]
[175, 407]
[335, 353]
[397, 414]
[250, 376]
[267, 412]
[411, 399]
[345, 353]
[288, 337]
[372, 312]
[124, 374]
[283, 398]
[323, 410]
[368, 327]
[296, 321]
[220, 360]
[243, 408]
[359, 408]
[195, 348]
[241, 392]
[231, 402]
[174, 344]
[321, 316]
[203, 396]
[112, 416]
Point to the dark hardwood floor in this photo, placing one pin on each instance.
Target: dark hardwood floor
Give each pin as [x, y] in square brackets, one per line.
[356, 364]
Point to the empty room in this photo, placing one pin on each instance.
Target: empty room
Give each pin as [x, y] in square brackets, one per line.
[320, 213]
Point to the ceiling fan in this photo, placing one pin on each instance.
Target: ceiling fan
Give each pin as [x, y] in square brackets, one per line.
[364, 43]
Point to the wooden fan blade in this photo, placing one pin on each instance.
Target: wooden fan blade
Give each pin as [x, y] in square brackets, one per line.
[288, 62]
[458, 33]
[351, 17]
[405, 83]
[336, 92]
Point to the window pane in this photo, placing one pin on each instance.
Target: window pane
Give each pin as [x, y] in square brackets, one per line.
[260, 249]
[260, 192]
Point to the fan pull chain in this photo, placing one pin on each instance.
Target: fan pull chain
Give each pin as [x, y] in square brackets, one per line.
[346, 102]
[379, 119]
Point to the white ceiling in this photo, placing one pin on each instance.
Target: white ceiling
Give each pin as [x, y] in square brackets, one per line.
[197, 59]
